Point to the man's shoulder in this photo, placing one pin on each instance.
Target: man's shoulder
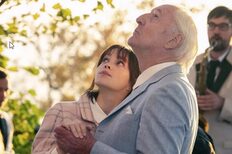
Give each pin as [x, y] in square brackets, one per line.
[229, 57]
[199, 58]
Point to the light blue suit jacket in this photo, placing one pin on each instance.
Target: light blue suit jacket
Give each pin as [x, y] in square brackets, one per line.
[158, 117]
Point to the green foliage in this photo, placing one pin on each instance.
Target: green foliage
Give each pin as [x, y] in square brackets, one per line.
[12, 28]
[1, 49]
[43, 8]
[2, 31]
[57, 6]
[110, 2]
[20, 29]
[3, 61]
[99, 6]
[19, 25]
[36, 16]
[65, 14]
[26, 118]
[85, 16]
[13, 68]
[32, 70]
[32, 92]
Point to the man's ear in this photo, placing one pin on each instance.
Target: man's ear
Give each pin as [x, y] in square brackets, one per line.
[174, 42]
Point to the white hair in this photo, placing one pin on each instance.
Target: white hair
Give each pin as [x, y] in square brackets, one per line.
[189, 47]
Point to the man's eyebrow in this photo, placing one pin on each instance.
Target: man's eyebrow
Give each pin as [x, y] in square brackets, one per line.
[157, 10]
[160, 11]
[223, 22]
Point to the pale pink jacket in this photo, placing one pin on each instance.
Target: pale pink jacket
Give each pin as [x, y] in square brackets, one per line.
[44, 142]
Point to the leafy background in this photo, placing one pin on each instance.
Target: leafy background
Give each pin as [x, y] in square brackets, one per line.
[64, 42]
[63, 64]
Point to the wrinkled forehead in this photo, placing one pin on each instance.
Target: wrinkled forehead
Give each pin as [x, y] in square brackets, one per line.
[221, 19]
[166, 14]
[165, 10]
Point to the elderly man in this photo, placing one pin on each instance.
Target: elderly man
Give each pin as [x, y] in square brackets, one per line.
[161, 114]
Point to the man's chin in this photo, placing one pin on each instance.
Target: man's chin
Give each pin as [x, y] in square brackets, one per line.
[130, 41]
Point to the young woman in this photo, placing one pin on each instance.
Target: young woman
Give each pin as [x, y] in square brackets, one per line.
[116, 73]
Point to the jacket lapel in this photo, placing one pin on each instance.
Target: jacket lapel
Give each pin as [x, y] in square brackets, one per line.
[139, 90]
[85, 109]
[223, 75]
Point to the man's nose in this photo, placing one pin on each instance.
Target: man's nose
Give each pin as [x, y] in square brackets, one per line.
[141, 19]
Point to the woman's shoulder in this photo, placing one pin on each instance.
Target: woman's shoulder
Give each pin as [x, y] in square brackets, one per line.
[71, 104]
[63, 104]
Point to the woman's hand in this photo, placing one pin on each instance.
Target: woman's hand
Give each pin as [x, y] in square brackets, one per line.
[79, 127]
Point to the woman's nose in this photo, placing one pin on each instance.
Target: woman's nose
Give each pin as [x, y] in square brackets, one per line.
[107, 66]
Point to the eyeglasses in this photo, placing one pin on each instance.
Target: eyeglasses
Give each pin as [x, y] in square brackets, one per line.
[222, 26]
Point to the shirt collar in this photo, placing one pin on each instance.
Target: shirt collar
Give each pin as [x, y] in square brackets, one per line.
[98, 113]
[145, 75]
[220, 59]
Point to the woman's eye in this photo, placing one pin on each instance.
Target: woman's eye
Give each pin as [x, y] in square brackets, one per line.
[104, 60]
[120, 62]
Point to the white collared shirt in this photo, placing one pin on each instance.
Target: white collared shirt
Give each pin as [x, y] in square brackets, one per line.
[98, 113]
[145, 75]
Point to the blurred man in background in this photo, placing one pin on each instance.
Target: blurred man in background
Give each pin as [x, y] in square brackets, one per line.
[213, 77]
[6, 125]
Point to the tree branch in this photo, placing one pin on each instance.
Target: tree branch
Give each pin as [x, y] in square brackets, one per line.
[2, 1]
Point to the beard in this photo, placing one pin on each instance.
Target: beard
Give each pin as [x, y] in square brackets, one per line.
[218, 43]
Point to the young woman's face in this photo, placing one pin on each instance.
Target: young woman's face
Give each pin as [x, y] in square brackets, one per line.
[113, 73]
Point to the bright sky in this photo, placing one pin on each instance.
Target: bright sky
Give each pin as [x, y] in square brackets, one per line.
[27, 57]
[199, 17]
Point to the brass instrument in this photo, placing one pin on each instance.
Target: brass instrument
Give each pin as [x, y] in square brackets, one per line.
[201, 83]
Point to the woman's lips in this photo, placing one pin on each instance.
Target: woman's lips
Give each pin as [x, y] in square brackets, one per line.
[105, 73]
